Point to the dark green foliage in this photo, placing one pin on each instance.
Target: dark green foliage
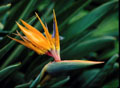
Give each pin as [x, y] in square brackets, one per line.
[7, 71]
[90, 32]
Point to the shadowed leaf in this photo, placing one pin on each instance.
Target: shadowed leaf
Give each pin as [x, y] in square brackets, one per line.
[98, 79]
[4, 8]
[8, 70]
[79, 26]
[82, 49]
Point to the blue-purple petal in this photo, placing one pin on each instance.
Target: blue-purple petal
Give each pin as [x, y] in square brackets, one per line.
[54, 30]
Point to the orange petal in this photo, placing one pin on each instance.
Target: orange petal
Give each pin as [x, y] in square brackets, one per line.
[20, 41]
[57, 41]
[35, 39]
[46, 32]
[29, 46]
[39, 51]
[21, 36]
[33, 29]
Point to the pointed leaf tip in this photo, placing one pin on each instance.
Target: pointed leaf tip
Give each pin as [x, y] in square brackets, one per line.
[69, 65]
[17, 23]
[83, 61]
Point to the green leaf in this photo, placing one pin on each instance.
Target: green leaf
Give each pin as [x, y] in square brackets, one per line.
[90, 31]
[110, 53]
[36, 70]
[19, 76]
[12, 14]
[79, 26]
[73, 15]
[108, 26]
[113, 84]
[13, 56]
[84, 76]
[54, 68]
[4, 7]
[25, 85]
[25, 13]
[8, 70]
[83, 48]
[98, 79]
[68, 65]
[60, 83]
[49, 10]
[4, 20]
[37, 80]
[6, 48]
[1, 26]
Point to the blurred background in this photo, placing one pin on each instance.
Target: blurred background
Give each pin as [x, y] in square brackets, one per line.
[88, 31]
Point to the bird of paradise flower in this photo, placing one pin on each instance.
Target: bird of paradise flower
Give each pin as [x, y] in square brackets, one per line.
[46, 44]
